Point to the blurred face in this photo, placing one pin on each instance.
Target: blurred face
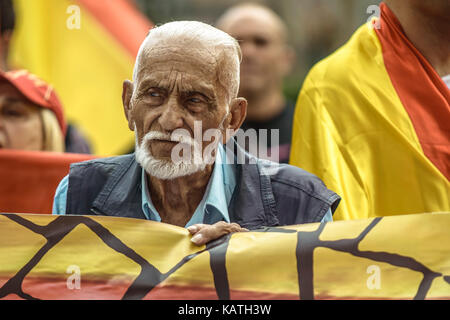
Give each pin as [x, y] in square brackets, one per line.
[175, 87]
[20, 122]
[264, 56]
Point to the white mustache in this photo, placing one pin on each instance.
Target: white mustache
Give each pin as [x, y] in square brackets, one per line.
[157, 135]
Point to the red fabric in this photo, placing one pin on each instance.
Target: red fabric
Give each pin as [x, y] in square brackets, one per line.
[28, 179]
[421, 90]
[122, 20]
[37, 91]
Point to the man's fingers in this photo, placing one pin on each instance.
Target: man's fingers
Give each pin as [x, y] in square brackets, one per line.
[196, 228]
[234, 227]
[198, 239]
[205, 233]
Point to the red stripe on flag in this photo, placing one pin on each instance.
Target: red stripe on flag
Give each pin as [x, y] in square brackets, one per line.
[47, 288]
[187, 292]
[422, 92]
[122, 20]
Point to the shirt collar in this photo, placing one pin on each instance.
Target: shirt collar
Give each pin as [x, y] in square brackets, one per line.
[223, 182]
[147, 204]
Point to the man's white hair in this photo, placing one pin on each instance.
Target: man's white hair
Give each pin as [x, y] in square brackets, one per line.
[200, 36]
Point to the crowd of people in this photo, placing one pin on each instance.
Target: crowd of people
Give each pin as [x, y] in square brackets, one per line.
[368, 136]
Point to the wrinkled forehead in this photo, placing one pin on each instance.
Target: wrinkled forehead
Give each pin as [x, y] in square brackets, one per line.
[193, 61]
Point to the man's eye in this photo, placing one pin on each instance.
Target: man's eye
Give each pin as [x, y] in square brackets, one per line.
[196, 104]
[195, 100]
[260, 42]
[12, 112]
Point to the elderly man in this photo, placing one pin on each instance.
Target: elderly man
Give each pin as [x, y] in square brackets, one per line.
[266, 60]
[186, 79]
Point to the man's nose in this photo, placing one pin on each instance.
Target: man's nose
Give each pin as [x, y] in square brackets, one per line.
[248, 50]
[171, 118]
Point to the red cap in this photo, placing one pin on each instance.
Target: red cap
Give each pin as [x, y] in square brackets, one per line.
[37, 91]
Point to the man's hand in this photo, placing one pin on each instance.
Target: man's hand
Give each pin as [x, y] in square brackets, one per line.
[203, 233]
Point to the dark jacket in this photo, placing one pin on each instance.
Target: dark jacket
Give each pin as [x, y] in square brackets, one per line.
[112, 187]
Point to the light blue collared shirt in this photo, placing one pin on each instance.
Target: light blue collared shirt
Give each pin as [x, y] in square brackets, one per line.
[212, 208]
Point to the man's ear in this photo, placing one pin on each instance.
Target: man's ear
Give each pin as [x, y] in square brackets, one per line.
[127, 92]
[238, 112]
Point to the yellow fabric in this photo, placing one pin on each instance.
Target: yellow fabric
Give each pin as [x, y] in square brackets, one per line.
[352, 131]
[86, 67]
[377, 258]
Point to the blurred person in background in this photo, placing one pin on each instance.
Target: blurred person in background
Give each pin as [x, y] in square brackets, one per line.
[321, 29]
[266, 60]
[74, 141]
[373, 119]
[31, 115]
[7, 22]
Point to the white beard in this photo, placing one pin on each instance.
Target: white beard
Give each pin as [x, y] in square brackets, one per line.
[166, 169]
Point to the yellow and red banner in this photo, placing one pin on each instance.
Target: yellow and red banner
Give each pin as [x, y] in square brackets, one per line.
[85, 49]
[373, 122]
[95, 257]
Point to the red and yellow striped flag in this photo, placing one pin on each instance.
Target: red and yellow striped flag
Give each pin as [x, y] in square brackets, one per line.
[373, 122]
[85, 49]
